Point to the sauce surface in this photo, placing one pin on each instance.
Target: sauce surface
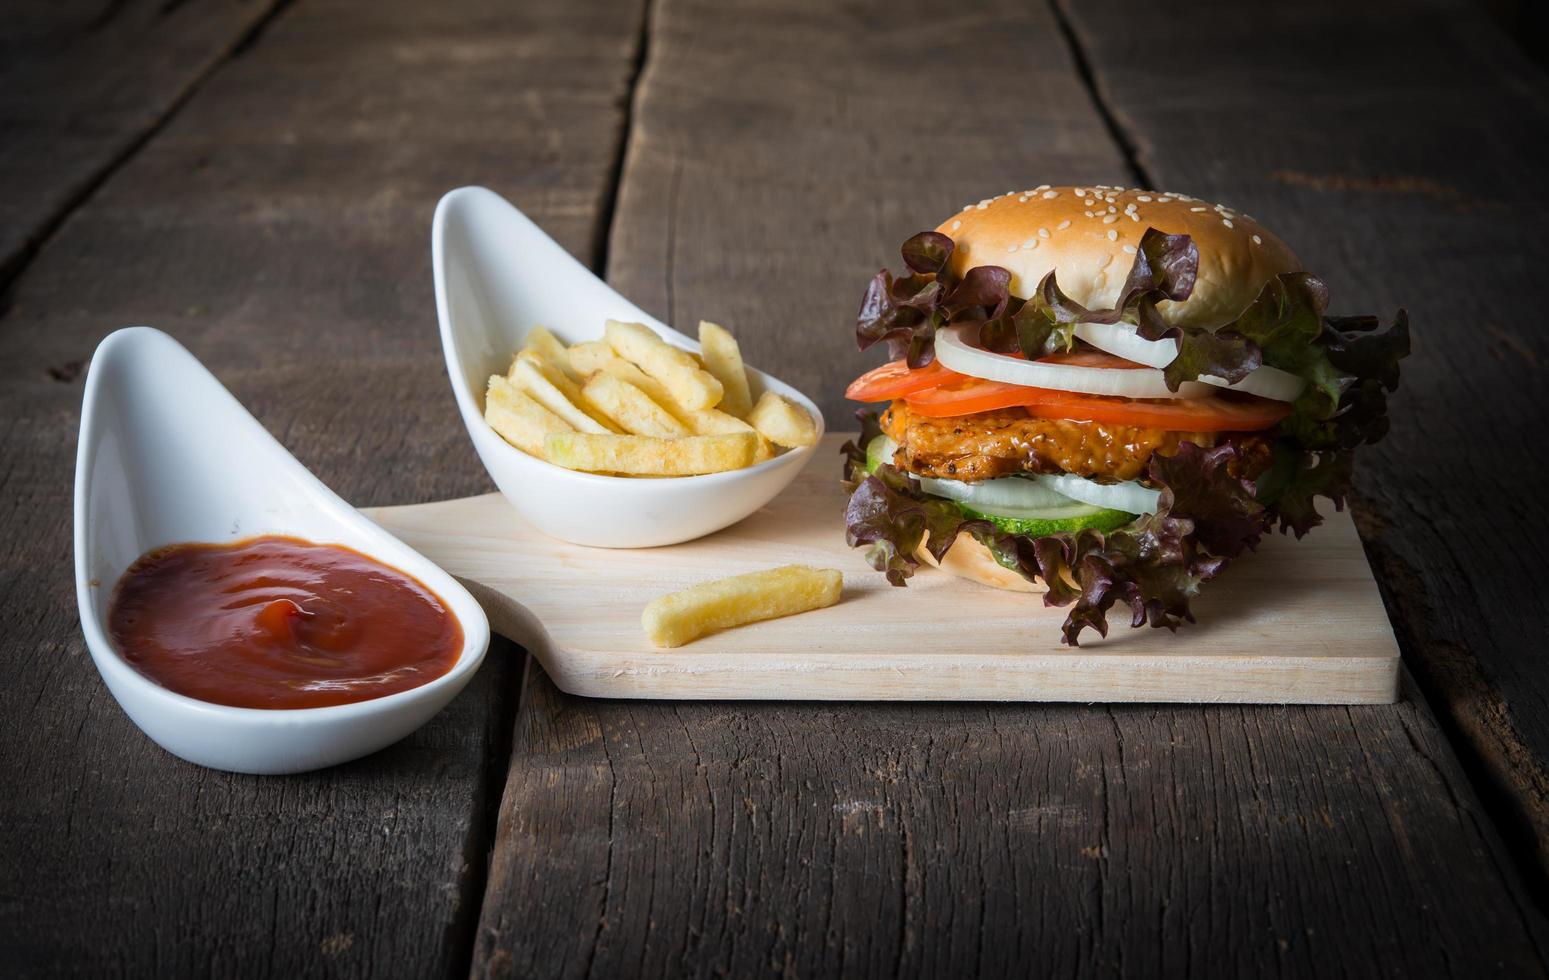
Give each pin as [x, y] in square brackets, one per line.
[278, 622]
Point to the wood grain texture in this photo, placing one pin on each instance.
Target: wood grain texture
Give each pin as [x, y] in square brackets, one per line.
[1298, 622]
[704, 839]
[82, 82]
[784, 150]
[767, 204]
[279, 227]
[1423, 191]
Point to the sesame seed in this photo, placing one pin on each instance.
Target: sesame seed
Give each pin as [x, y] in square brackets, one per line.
[1257, 240]
[1143, 197]
[1041, 187]
[1130, 207]
[1112, 209]
[1010, 249]
[1081, 192]
[986, 202]
[1113, 236]
[1107, 260]
[968, 207]
[1110, 219]
[1227, 222]
[1133, 216]
[1050, 195]
[1021, 200]
[1088, 214]
[1198, 209]
[1089, 202]
[981, 205]
[1129, 250]
[1030, 243]
[956, 225]
[1063, 225]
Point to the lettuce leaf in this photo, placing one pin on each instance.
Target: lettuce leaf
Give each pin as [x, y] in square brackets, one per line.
[1155, 565]
[1208, 513]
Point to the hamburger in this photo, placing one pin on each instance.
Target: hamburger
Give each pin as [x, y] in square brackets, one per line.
[1104, 394]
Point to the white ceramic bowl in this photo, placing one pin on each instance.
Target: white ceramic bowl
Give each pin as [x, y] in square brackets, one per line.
[497, 276]
[167, 455]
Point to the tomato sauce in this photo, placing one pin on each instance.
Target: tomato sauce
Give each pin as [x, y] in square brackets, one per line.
[278, 622]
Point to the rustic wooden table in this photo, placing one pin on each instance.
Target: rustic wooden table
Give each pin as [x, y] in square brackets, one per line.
[257, 178]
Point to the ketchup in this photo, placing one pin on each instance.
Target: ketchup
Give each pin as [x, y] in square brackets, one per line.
[278, 622]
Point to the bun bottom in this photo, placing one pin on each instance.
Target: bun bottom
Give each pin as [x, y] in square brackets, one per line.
[969, 559]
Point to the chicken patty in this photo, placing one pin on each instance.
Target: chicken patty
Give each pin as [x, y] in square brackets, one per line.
[1006, 441]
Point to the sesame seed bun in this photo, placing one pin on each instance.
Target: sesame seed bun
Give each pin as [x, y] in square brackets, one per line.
[1086, 236]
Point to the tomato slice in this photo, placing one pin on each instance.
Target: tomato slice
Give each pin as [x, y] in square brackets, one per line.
[1213, 414]
[896, 379]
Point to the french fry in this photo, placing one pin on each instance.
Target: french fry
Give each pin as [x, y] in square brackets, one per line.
[675, 619]
[649, 456]
[547, 388]
[589, 356]
[519, 419]
[658, 393]
[631, 408]
[765, 450]
[548, 346]
[782, 422]
[723, 358]
[691, 385]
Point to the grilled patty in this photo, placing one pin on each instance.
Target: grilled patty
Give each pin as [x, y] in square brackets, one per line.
[1008, 440]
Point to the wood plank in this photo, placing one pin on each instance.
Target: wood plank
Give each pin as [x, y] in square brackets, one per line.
[1299, 622]
[1424, 191]
[279, 226]
[81, 83]
[936, 840]
[780, 154]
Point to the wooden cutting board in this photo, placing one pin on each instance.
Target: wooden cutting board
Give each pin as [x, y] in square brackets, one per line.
[1296, 622]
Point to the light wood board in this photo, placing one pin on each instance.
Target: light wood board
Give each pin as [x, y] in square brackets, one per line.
[1296, 622]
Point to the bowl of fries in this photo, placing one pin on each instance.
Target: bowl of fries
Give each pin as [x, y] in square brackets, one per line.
[601, 425]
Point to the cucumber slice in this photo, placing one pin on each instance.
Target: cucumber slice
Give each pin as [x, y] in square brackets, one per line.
[878, 451]
[1052, 523]
[1033, 522]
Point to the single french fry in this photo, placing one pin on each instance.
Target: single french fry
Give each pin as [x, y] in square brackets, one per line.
[589, 356]
[782, 422]
[714, 422]
[701, 422]
[547, 389]
[691, 385]
[519, 419]
[723, 358]
[650, 456]
[632, 409]
[626, 371]
[549, 347]
[675, 619]
[765, 450]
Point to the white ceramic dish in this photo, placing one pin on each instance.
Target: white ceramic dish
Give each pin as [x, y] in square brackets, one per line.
[497, 276]
[167, 455]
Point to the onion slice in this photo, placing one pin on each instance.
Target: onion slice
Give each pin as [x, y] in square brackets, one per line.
[1266, 382]
[1122, 340]
[1130, 497]
[955, 353]
[991, 496]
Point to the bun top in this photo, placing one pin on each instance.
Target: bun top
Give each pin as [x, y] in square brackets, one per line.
[1088, 235]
